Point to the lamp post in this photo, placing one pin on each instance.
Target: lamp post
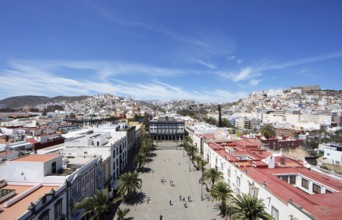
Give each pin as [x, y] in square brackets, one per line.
[202, 190]
[189, 164]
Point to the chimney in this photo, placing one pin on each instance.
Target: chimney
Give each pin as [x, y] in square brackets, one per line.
[271, 162]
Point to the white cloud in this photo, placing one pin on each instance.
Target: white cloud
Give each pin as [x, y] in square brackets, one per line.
[252, 73]
[206, 64]
[243, 74]
[39, 78]
[254, 82]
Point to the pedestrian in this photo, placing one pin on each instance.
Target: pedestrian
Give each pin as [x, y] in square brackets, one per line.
[160, 217]
[183, 199]
[170, 202]
[185, 205]
[180, 197]
[188, 198]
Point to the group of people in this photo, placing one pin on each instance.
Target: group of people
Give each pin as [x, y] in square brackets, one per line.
[181, 198]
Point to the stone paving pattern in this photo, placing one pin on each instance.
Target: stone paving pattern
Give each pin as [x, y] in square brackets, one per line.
[172, 164]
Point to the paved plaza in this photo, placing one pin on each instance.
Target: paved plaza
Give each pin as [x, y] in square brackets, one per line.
[172, 164]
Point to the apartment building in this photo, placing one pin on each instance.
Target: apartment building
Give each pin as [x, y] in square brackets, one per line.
[332, 153]
[289, 190]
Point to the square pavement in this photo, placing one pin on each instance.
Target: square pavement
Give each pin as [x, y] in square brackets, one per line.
[172, 164]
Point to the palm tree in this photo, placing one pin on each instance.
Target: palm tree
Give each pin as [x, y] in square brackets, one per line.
[226, 210]
[249, 207]
[192, 151]
[147, 140]
[97, 204]
[188, 140]
[129, 183]
[140, 160]
[202, 163]
[146, 145]
[121, 213]
[221, 192]
[212, 175]
[198, 160]
[267, 131]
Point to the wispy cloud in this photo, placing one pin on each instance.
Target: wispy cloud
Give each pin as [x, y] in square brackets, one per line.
[243, 74]
[234, 59]
[103, 69]
[304, 61]
[206, 64]
[40, 78]
[254, 82]
[253, 74]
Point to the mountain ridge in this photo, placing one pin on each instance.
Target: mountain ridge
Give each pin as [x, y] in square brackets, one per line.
[32, 100]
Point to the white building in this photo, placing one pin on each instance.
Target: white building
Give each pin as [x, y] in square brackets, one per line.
[289, 190]
[332, 153]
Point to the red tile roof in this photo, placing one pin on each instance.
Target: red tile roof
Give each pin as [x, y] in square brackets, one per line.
[32, 141]
[323, 206]
[37, 157]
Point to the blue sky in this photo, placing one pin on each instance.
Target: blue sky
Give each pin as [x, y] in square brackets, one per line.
[216, 51]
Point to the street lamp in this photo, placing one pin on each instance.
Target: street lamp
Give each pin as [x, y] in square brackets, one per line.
[202, 190]
[189, 164]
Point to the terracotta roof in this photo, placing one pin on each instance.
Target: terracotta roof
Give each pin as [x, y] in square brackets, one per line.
[32, 141]
[323, 206]
[37, 157]
[20, 207]
[4, 153]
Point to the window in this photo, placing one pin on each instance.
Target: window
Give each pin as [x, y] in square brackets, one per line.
[328, 191]
[293, 180]
[53, 167]
[316, 188]
[44, 215]
[284, 178]
[58, 209]
[305, 183]
[275, 213]
[238, 181]
[228, 172]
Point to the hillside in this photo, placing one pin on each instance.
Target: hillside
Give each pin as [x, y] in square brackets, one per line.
[30, 100]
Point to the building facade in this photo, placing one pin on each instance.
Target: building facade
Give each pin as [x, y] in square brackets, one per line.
[166, 128]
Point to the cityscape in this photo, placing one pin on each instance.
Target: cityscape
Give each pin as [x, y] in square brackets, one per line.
[170, 110]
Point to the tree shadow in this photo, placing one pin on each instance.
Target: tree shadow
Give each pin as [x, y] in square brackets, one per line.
[145, 170]
[152, 154]
[136, 199]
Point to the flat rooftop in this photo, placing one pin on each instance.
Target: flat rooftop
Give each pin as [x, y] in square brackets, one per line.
[37, 158]
[20, 207]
